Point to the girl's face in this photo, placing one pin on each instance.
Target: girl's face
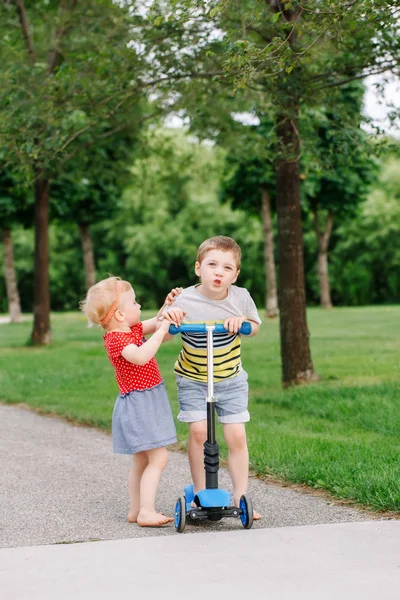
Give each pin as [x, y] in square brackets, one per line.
[130, 307]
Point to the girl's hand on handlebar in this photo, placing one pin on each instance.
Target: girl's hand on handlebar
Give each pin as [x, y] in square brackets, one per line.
[175, 316]
[163, 324]
[233, 324]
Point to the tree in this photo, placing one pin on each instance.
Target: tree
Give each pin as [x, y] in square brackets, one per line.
[90, 189]
[168, 210]
[66, 71]
[13, 208]
[294, 52]
[338, 167]
[249, 182]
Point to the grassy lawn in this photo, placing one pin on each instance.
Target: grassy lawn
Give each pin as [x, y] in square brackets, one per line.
[341, 435]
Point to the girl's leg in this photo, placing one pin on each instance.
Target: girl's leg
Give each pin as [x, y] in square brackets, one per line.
[148, 517]
[197, 437]
[238, 460]
[139, 464]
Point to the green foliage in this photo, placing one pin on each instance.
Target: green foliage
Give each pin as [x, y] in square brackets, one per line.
[73, 79]
[173, 204]
[89, 188]
[170, 209]
[339, 162]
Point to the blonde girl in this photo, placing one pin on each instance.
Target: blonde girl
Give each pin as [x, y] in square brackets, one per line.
[142, 422]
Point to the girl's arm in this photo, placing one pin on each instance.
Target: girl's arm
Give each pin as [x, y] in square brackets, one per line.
[150, 325]
[140, 355]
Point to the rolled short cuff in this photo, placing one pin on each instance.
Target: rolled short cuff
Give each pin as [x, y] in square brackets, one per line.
[192, 416]
[242, 417]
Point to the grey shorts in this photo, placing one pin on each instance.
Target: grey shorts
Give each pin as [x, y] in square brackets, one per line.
[231, 399]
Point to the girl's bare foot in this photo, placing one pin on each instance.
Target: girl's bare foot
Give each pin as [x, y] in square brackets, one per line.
[132, 516]
[153, 519]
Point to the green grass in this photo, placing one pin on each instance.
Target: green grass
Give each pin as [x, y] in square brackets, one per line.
[340, 435]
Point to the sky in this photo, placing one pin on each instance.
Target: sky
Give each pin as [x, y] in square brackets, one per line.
[376, 107]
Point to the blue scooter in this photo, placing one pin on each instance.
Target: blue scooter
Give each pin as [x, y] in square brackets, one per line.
[212, 503]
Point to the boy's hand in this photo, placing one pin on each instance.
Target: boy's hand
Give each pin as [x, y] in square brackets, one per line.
[172, 295]
[175, 316]
[233, 324]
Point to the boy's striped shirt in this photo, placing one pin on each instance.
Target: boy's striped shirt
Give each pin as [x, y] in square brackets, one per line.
[192, 360]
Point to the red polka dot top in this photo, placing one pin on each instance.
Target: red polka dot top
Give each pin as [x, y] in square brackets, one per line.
[129, 376]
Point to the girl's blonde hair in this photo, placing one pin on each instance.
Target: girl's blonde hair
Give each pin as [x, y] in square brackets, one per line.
[101, 297]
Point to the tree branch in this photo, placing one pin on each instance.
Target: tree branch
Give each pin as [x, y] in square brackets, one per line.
[354, 78]
[23, 20]
[54, 55]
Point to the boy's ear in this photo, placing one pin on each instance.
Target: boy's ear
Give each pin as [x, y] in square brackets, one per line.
[197, 269]
[237, 275]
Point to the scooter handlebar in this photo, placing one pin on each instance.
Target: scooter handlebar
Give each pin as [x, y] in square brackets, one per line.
[202, 328]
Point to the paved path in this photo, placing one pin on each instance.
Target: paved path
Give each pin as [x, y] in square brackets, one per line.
[346, 561]
[61, 483]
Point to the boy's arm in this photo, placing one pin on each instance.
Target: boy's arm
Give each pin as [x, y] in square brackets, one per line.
[255, 328]
[150, 325]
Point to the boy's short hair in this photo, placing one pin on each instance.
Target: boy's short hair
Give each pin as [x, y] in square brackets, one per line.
[220, 242]
[100, 299]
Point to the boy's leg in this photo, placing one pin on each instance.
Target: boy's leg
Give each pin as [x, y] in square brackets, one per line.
[197, 437]
[238, 460]
[148, 517]
[193, 410]
[139, 464]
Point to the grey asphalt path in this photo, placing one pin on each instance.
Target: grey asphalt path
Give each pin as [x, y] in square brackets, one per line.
[61, 484]
[346, 561]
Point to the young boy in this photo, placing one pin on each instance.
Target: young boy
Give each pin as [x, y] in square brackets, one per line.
[216, 299]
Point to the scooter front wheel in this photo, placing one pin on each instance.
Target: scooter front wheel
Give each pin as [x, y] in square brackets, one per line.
[180, 515]
[246, 516]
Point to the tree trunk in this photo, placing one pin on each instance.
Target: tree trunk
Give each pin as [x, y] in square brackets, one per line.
[41, 333]
[14, 305]
[323, 238]
[271, 295]
[297, 366]
[88, 256]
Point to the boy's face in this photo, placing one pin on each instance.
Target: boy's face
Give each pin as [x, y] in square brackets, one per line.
[217, 272]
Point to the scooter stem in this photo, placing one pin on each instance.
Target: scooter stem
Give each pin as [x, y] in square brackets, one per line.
[211, 449]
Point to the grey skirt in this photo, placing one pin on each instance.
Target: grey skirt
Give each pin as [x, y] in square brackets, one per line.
[142, 420]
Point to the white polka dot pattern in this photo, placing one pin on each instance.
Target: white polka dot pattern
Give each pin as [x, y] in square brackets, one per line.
[129, 376]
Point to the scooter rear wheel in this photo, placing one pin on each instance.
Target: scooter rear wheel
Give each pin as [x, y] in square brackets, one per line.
[246, 507]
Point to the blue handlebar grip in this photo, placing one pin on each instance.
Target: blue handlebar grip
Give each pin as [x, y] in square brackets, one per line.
[246, 328]
[193, 327]
[201, 328]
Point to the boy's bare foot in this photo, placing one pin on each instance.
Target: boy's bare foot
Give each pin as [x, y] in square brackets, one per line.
[153, 519]
[256, 516]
